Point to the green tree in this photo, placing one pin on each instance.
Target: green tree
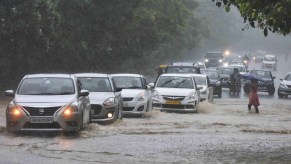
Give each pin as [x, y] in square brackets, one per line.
[269, 15]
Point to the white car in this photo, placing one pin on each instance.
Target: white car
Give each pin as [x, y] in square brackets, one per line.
[202, 81]
[241, 68]
[285, 86]
[201, 65]
[269, 62]
[105, 98]
[137, 97]
[176, 92]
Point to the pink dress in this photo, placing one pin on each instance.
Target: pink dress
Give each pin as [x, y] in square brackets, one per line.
[253, 96]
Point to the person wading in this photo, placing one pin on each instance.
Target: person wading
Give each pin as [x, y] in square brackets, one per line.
[253, 96]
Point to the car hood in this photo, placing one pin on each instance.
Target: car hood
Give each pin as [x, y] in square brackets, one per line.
[100, 96]
[44, 100]
[213, 80]
[131, 92]
[174, 91]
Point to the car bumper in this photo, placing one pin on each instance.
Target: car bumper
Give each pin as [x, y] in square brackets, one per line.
[57, 123]
[182, 107]
[134, 107]
[99, 113]
[284, 91]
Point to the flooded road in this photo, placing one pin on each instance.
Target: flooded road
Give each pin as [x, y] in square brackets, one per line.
[221, 132]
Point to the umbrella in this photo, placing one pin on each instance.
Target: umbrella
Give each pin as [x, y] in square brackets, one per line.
[250, 76]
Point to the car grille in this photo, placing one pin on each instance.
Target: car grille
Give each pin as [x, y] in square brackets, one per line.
[128, 108]
[170, 106]
[41, 111]
[53, 125]
[127, 98]
[96, 109]
[173, 97]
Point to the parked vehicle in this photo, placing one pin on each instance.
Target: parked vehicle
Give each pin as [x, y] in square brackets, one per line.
[269, 62]
[284, 88]
[206, 93]
[215, 81]
[267, 85]
[183, 68]
[48, 102]
[213, 59]
[105, 98]
[176, 92]
[137, 97]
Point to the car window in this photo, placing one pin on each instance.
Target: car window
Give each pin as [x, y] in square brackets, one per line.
[96, 84]
[46, 86]
[200, 80]
[182, 70]
[225, 70]
[269, 58]
[127, 82]
[175, 82]
[213, 55]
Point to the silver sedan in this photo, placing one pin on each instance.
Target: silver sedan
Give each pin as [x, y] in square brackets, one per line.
[48, 102]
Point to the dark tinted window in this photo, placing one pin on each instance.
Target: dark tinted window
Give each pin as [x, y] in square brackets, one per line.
[96, 84]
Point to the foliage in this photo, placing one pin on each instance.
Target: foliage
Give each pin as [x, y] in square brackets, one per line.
[269, 15]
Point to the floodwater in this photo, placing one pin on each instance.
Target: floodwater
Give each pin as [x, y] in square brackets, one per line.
[221, 132]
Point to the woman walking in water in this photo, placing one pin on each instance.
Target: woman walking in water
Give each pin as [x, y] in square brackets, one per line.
[253, 96]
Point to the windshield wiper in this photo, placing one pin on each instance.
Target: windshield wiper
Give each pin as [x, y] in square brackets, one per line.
[166, 82]
[179, 83]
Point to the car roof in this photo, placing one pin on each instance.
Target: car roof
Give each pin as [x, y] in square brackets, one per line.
[199, 75]
[91, 75]
[178, 75]
[49, 75]
[127, 75]
[269, 55]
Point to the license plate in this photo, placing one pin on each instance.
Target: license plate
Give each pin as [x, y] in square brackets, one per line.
[175, 102]
[41, 120]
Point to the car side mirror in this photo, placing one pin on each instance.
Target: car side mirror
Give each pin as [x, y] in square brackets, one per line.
[199, 88]
[84, 93]
[118, 89]
[151, 85]
[9, 93]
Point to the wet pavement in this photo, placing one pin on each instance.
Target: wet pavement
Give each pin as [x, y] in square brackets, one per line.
[221, 132]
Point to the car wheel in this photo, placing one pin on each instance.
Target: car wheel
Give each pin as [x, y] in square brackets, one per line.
[271, 91]
[219, 94]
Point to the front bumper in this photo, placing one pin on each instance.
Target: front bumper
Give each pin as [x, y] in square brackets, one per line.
[99, 113]
[134, 107]
[284, 91]
[183, 106]
[59, 122]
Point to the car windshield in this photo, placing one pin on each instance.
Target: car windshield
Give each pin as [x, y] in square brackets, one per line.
[125, 82]
[225, 70]
[96, 84]
[269, 58]
[213, 55]
[175, 82]
[182, 70]
[200, 80]
[262, 74]
[288, 77]
[212, 74]
[46, 86]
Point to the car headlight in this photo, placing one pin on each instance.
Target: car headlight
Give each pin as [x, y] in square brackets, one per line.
[225, 64]
[206, 60]
[109, 102]
[14, 109]
[245, 61]
[156, 95]
[191, 96]
[282, 85]
[71, 108]
[254, 58]
[141, 96]
[220, 60]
